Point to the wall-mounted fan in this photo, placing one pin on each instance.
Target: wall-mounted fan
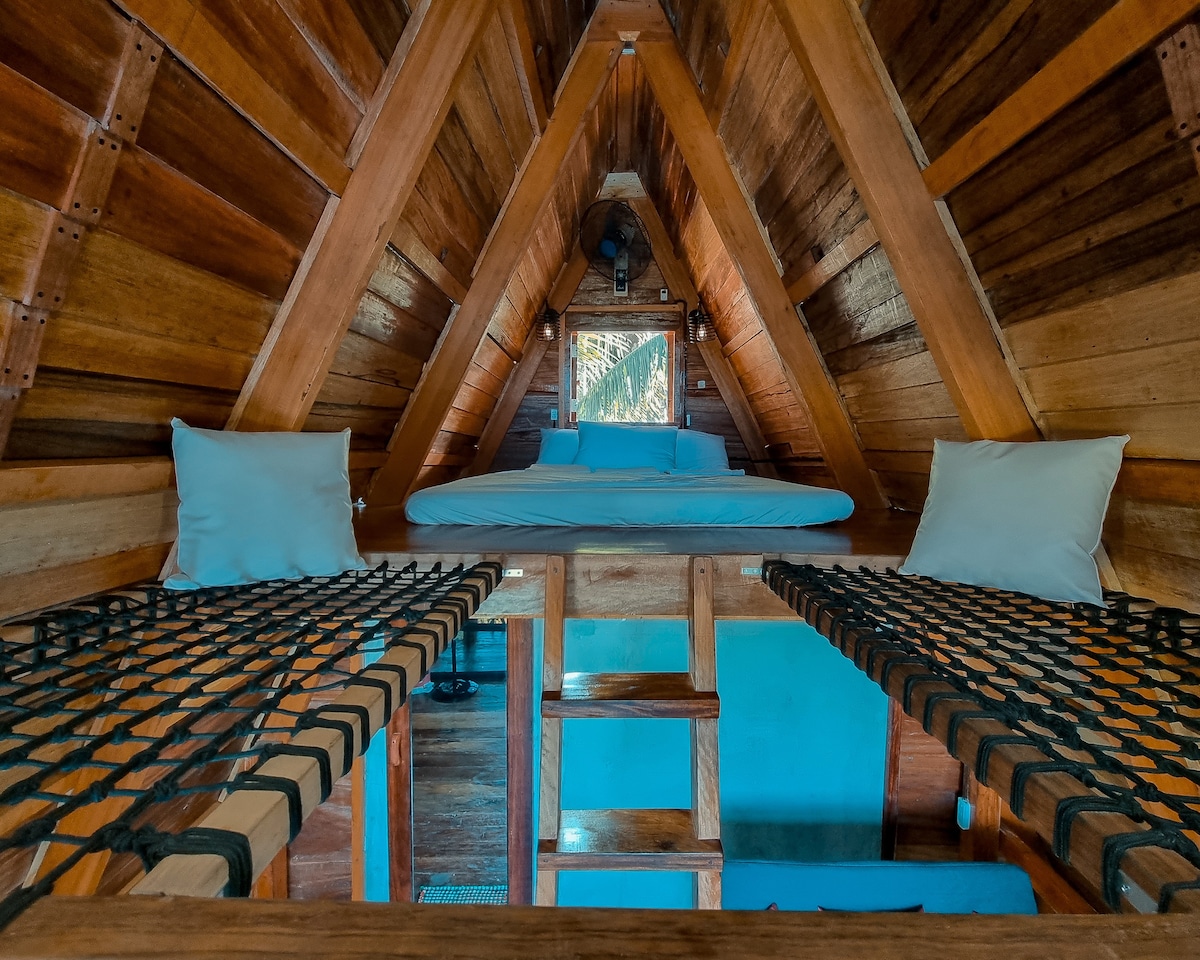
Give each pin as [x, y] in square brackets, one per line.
[614, 241]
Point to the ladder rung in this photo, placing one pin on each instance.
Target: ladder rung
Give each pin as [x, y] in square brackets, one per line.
[628, 840]
[630, 695]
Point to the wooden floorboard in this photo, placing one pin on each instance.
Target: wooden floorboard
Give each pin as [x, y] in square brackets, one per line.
[87, 929]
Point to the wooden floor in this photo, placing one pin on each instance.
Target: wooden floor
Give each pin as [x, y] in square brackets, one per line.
[867, 533]
[459, 776]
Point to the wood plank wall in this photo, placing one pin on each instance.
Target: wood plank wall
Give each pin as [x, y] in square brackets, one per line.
[1086, 238]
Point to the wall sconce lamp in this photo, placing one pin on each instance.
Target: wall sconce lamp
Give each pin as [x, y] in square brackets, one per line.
[549, 328]
[700, 327]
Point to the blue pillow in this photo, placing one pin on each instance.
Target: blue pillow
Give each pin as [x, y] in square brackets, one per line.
[261, 506]
[700, 452]
[608, 446]
[558, 446]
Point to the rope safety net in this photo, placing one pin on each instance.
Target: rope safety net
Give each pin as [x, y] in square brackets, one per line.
[1109, 696]
[125, 718]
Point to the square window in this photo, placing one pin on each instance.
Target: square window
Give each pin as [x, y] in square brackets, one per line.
[623, 376]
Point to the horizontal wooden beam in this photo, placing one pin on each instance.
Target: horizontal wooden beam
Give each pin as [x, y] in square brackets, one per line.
[292, 365]
[507, 243]
[405, 239]
[862, 241]
[1163, 481]
[856, 99]
[63, 928]
[185, 27]
[1125, 30]
[675, 89]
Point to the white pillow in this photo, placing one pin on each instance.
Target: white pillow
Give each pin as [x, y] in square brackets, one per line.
[261, 506]
[1018, 516]
[558, 446]
[696, 451]
[617, 446]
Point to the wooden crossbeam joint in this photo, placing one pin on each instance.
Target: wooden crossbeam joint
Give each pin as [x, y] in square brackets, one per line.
[1179, 58]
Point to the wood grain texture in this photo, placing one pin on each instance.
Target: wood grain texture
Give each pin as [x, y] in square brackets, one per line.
[289, 370]
[596, 695]
[204, 929]
[519, 781]
[857, 101]
[676, 93]
[422, 417]
[628, 840]
[1118, 35]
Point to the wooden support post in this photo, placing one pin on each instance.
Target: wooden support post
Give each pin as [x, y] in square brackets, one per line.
[291, 366]
[891, 783]
[859, 105]
[1125, 30]
[273, 884]
[358, 830]
[675, 89]
[519, 736]
[422, 417]
[1179, 58]
[400, 805]
[981, 841]
[706, 763]
[550, 785]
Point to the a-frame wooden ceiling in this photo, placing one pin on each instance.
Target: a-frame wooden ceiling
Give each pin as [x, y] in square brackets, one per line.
[283, 215]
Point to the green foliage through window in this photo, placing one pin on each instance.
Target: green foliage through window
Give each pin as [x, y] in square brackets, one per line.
[622, 377]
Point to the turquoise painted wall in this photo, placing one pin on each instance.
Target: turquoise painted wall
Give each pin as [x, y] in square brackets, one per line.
[802, 749]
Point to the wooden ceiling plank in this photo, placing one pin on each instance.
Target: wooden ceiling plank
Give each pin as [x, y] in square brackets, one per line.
[509, 403]
[678, 97]
[1125, 30]
[23, 325]
[858, 244]
[834, 47]
[514, 15]
[325, 293]
[680, 284]
[404, 238]
[419, 424]
[184, 28]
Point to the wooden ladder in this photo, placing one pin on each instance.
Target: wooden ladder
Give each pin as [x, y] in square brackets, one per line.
[668, 840]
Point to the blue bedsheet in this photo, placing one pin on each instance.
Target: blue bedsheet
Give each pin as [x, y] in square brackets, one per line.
[573, 496]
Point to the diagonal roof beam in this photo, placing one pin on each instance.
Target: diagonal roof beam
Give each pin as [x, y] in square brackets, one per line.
[292, 364]
[679, 282]
[517, 385]
[581, 88]
[864, 116]
[679, 98]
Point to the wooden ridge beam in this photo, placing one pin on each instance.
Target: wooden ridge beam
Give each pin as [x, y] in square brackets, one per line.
[1121, 33]
[679, 282]
[320, 304]
[835, 50]
[184, 27]
[422, 418]
[858, 244]
[679, 98]
[517, 385]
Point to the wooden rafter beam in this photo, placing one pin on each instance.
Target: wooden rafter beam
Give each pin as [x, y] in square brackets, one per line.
[680, 284]
[835, 50]
[517, 385]
[679, 98]
[184, 27]
[586, 76]
[1125, 30]
[320, 304]
[859, 243]
[514, 15]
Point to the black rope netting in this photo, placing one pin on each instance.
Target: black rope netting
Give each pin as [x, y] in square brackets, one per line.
[126, 717]
[1111, 697]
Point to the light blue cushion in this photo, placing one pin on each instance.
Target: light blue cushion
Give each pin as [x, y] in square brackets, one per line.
[261, 506]
[1018, 516]
[700, 452]
[558, 446]
[619, 446]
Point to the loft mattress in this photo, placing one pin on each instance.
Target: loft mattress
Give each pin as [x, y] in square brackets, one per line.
[572, 496]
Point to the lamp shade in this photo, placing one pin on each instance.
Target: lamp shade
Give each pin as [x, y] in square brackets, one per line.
[548, 327]
[699, 327]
